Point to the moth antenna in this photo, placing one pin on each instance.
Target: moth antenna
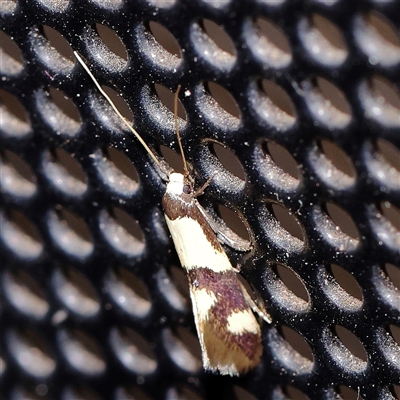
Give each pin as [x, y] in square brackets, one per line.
[124, 120]
[178, 135]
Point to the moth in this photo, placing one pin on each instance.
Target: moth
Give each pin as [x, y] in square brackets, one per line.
[228, 331]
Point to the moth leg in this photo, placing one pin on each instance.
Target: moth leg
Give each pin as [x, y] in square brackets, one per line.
[201, 190]
[224, 234]
[257, 310]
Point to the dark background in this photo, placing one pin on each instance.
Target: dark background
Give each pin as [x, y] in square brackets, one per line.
[295, 104]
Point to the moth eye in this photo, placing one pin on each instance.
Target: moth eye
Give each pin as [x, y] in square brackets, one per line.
[187, 189]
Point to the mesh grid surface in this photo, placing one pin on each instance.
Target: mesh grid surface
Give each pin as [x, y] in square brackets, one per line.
[93, 303]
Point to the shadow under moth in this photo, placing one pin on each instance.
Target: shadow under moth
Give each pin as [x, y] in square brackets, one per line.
[228, 331]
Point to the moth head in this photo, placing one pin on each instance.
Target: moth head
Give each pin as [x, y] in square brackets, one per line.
[178, 184]
[175, 184]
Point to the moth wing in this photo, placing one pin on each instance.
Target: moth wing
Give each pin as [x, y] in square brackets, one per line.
[201, 303]
[229, 348]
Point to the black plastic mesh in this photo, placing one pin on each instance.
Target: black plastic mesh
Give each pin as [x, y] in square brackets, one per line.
[93, 303]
